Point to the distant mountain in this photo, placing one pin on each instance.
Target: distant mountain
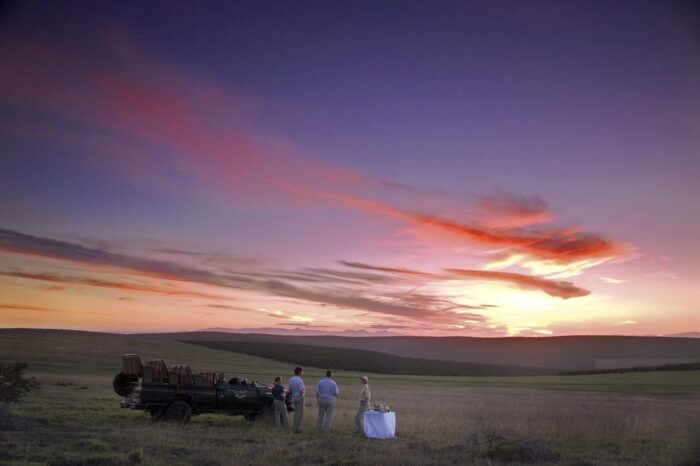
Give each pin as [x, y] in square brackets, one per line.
[685, 335]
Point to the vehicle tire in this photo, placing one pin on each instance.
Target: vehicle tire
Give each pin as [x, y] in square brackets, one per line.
[122, 384]
[178, 411]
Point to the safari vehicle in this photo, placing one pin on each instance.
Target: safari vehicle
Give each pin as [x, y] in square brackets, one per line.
[176, 394]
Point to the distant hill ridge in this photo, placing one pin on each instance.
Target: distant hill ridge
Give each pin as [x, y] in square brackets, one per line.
[685, 335]
[570, 353]
[561, 353]
[351, 359]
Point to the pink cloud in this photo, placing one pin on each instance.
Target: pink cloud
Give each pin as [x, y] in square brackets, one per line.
[509, 210]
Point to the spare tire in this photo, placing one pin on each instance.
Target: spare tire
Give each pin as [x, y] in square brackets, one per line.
[122, 384]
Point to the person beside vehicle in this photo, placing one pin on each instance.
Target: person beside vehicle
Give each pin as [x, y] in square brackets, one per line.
[365, 398]
[278, 404]
[326, 391]
[296, 387]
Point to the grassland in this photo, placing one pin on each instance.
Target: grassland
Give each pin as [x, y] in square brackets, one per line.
[609, 419]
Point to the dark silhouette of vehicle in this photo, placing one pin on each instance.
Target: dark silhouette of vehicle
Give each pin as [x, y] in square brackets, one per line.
[176, 394]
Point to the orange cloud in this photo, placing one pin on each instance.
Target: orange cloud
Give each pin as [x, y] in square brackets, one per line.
[561, 245]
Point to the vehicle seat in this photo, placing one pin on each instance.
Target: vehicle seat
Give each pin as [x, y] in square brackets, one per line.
[148, 376]
[131, 365]
[185, 375]
[160, 370]
[208, 378]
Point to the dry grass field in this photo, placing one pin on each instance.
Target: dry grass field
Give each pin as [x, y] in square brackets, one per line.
[75, 418]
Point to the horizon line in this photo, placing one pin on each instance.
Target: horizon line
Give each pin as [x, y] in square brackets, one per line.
[340, 334]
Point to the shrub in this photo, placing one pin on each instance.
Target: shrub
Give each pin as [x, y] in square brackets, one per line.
[13, 385]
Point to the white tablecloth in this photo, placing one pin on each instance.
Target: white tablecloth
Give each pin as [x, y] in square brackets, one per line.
[380, 425]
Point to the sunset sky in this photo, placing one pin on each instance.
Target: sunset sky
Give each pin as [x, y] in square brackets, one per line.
[485, 168]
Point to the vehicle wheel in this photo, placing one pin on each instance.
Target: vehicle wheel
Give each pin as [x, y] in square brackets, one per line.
[122, 384]
[179, 412]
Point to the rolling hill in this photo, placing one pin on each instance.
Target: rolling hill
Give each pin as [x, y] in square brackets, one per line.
[574, 353]
[351, 359]
[571, 353]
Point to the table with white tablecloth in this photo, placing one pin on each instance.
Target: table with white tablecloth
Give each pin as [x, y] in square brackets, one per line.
[380, 425]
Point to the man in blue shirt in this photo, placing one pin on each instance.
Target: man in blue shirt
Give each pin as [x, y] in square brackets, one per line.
[326, 391]
[296, 386]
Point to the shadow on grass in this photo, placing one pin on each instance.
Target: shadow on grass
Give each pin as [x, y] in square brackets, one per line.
[13, 422]
[500, 446]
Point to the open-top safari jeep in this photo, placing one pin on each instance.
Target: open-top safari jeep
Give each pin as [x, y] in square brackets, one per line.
[176, 394]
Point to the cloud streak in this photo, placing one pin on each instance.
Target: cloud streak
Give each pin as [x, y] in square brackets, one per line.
[19, 243]
[408, 305]
[556, 288]
[412, 307]
[29, 308]
[121, 286]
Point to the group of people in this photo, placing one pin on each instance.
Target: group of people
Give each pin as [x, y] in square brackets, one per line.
[326, 393]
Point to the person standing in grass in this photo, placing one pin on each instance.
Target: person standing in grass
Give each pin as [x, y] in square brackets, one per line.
[280, 408]
[326, 391]
[365, 398]
[296, 386]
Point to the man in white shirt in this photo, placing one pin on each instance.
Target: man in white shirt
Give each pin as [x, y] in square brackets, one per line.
[296, 387]
[365, 398]
[326, 391]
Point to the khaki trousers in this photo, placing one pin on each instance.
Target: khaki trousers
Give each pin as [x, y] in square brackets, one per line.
[298, 402]
[360, 417]
[281, 418]
[325, 415]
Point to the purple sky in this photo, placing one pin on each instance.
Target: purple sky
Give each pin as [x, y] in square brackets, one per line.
[482, 168]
